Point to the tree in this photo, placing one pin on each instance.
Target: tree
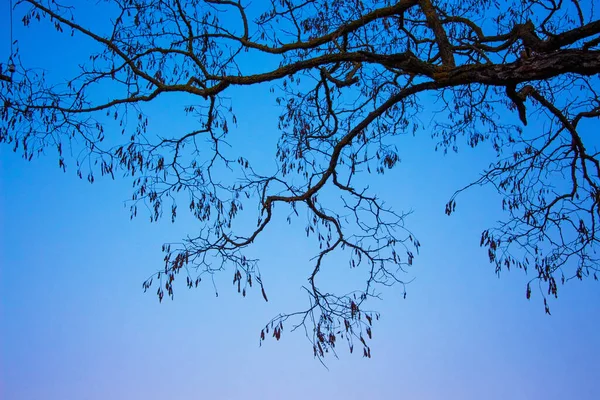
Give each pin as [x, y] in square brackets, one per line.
[349, 76]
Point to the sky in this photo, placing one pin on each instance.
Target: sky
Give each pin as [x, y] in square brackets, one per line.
[75, 323]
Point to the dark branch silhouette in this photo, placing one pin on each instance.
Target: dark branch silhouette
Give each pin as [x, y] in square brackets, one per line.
[350, 75]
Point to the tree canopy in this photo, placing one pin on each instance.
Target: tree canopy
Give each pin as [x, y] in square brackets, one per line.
[348, 76]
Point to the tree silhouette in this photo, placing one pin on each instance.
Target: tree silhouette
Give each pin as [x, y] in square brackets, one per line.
[349, 75]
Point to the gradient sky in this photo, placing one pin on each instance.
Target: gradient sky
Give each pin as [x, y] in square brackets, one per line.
[75, 323]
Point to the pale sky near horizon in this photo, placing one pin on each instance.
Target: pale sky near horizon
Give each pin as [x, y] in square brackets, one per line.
[75, 323]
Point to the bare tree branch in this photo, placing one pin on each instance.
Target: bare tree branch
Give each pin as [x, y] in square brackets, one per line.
[349, 76]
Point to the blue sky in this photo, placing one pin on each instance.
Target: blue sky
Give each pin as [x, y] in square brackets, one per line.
[75, 323]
